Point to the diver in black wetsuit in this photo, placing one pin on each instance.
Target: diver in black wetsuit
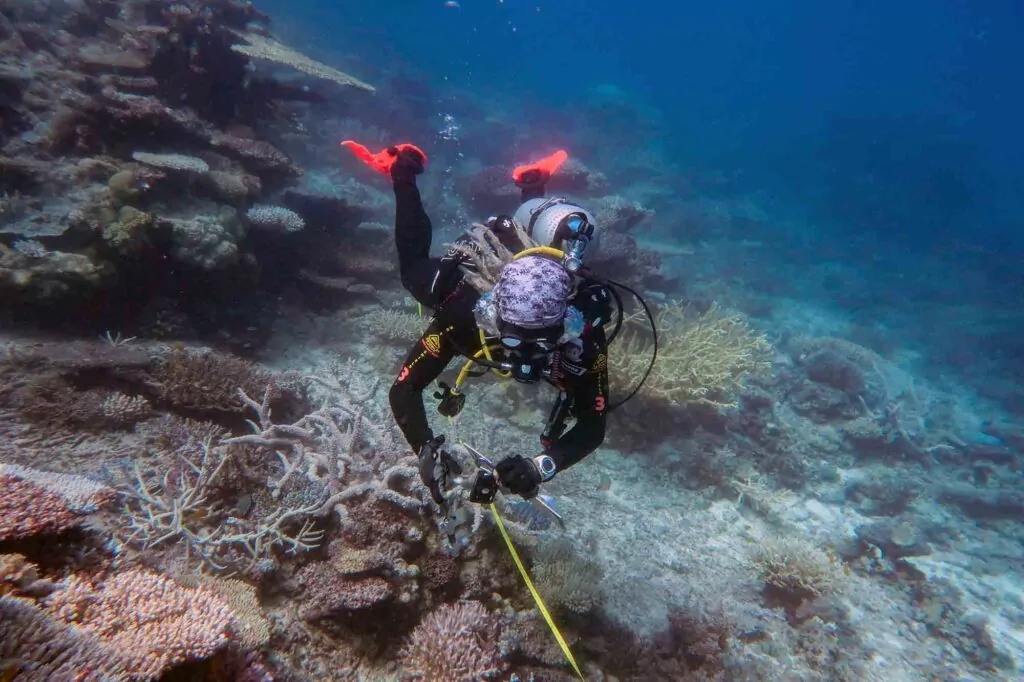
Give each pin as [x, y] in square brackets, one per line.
[543, 320]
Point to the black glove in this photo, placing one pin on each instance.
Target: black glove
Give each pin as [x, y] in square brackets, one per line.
[407, 165]
[437, 468]
[535, 178]
[451, 400]
[519, 475]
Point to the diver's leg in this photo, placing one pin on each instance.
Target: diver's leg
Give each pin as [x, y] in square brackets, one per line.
[413, 236]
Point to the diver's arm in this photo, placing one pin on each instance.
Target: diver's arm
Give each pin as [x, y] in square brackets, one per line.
[589, 395]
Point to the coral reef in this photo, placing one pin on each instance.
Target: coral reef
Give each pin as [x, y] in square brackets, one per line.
[702, 357]
[200, 478]
[456, 643]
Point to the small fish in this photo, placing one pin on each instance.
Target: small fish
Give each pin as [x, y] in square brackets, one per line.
[451, 3]
[605, 484]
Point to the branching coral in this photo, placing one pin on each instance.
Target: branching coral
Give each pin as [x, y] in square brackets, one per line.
[702, 357]
[567, 578]
[797, 568]
[395, 325]
[333, 455]
[455, 643]
[180, 503]
[340, 445]
[206, 381]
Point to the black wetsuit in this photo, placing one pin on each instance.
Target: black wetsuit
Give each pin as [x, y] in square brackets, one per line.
[579, 371]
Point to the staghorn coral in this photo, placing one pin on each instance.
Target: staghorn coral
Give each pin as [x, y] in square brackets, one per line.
[180, 503]
[144, 619]
[305, 470]
[394, 324]
[206, 381]
[341, 446]
[261, 47]
[455, 643]
[701, 358]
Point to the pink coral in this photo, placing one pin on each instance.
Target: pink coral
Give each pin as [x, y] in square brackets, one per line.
[455, 643]
[33, 502]
[27, 509]
[50, 650]
[146, 619]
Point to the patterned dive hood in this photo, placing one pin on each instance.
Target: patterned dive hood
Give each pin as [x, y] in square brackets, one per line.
[532, 293]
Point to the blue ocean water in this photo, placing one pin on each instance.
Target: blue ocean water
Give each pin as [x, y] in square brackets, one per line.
[206, 338]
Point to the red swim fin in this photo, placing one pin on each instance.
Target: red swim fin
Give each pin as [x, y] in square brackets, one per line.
[384, 159]
[548, 165]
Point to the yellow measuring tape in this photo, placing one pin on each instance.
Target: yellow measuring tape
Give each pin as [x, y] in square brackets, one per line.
[533, 590]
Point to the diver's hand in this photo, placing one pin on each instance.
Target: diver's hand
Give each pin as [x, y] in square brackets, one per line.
[437, 468]
[520, 475]
[408, 163]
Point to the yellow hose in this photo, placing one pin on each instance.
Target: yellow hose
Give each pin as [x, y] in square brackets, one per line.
[541, 251]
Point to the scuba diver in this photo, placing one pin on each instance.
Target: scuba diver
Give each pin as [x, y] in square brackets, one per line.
[513, 298]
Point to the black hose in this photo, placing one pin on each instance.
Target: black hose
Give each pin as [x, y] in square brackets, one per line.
[654, 333]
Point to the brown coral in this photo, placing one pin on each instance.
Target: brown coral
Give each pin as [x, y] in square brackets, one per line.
[702, 357]
[328, 592]
[208, 382]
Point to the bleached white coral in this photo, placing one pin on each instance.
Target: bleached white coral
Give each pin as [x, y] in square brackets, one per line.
[178, 162]
[275, 218]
